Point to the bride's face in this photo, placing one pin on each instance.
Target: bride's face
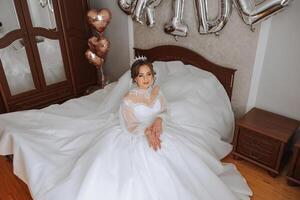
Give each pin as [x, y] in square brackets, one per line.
[145, 77]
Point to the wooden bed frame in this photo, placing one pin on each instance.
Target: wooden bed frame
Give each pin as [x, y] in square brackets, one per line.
[171, 53]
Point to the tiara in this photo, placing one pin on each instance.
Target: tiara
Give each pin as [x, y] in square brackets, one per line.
[137, 58]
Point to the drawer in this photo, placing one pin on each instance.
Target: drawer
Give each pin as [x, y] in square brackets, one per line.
[258, 147]
[42, 99]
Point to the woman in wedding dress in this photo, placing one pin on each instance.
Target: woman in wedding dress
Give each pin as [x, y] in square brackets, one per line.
[149, 159]
[139, 154]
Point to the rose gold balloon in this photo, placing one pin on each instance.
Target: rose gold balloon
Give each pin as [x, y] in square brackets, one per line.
[99, 19]
[91, 41]
[99, 45]
[94, 59]
[91, 15]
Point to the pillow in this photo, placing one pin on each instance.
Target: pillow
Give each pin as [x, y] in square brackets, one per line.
[176, 68]
[161, 71]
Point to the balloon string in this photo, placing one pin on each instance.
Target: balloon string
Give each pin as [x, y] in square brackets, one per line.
[99, 34]
[101, 78]
[101, 81]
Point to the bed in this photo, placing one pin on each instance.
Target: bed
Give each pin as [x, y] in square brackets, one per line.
[55, 145]
[170, 53]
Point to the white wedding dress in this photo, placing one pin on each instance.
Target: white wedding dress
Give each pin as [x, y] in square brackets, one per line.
[90, 156]
[184, 168]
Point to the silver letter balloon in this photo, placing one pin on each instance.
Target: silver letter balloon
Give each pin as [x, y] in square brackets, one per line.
[127, 5]
[250, 11]
[252, 14]
[212, 26]
[140, 10]
[176, 26]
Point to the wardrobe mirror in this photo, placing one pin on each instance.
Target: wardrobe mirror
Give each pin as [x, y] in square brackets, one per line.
[51, 59]
[16, 67]
[8, 17]
[42, 13]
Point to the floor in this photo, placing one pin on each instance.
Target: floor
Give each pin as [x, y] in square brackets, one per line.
[11, 188]
[264, 187]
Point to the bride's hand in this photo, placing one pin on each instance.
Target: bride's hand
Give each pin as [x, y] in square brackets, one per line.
[153, 140]
[157, 127]
[153, 134]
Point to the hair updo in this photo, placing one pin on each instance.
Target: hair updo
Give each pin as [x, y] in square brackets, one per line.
[135, 68]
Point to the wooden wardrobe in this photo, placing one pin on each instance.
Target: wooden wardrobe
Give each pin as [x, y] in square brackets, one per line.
[42, 45]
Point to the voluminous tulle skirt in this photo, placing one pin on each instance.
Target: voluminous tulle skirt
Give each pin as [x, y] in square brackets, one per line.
[120, 166]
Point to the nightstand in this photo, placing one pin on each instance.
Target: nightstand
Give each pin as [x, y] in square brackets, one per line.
[262, 138]
[293, 176]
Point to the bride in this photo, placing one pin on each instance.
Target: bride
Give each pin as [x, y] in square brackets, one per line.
[142, 154]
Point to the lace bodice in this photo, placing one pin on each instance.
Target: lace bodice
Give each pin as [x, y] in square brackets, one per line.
[139, 109]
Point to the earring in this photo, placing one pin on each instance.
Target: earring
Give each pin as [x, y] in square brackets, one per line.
[134, 83]
[154, 79]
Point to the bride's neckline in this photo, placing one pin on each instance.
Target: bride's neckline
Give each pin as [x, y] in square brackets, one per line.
[145, 97]
[142, 92]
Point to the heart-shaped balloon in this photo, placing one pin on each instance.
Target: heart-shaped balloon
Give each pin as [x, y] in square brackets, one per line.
[99, 45]
[94, 59]
[99, 19]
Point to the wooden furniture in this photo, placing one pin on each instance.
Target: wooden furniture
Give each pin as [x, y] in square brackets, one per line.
[172, 53]
[39, 34]
[293, 176]
[262, 138]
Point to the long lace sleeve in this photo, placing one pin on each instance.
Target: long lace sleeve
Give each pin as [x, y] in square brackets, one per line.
[135, 121]
[129, 121]
[163, 111]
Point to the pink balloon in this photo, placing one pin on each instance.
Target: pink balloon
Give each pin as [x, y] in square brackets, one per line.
[94, 59]
[100, 45]
[99, 19]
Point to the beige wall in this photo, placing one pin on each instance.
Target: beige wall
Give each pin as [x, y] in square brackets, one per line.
[118, 58]
[279, 82]
[235, 47]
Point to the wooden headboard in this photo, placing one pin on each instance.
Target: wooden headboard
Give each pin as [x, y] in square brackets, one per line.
[171, 53]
